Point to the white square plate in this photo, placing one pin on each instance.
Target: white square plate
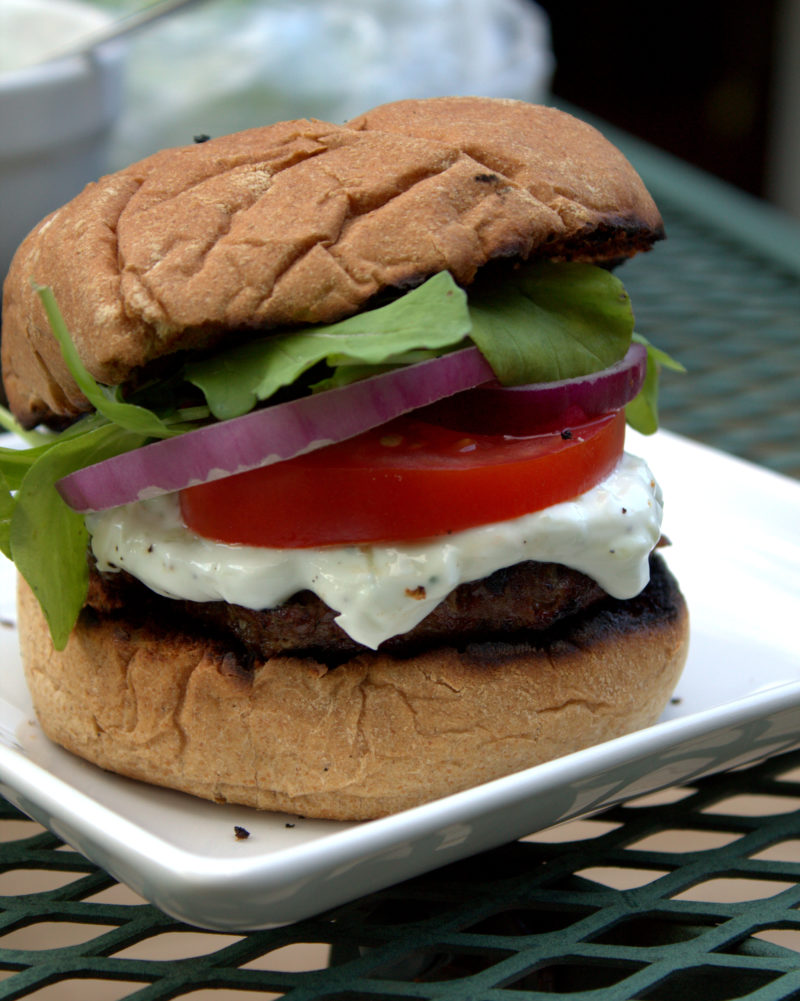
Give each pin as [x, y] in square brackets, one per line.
[736, 553]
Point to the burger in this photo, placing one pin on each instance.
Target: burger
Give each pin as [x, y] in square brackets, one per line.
[326, 508]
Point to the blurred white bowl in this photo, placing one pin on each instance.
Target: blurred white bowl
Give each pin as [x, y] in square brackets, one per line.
[55, 115]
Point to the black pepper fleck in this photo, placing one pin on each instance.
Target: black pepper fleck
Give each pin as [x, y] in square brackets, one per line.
[566, 435]
[240, 833]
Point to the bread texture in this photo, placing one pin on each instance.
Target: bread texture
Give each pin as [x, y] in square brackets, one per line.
[369, 737]
[306, 222]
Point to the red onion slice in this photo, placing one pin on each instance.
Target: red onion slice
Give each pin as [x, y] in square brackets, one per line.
[272, 434]
[544, 406]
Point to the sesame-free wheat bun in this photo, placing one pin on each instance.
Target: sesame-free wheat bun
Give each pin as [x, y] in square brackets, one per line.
[306, 222]
[272, 229]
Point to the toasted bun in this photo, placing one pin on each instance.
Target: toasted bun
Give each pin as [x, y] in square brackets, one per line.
[304, 222]
[370, 737]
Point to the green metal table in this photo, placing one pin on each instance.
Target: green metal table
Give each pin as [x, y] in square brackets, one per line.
[691, 892]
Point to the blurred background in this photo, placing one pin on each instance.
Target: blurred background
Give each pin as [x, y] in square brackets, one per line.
[716, 83]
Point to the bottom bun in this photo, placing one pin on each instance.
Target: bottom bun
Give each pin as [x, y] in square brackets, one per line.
[369, 737]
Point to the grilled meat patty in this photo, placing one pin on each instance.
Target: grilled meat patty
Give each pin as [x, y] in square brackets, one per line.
[527, 597]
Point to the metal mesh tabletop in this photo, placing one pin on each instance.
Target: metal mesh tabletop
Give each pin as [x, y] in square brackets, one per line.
[691, 893]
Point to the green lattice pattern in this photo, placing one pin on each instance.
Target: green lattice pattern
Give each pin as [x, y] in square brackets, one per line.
[619, 914]
[732, 317]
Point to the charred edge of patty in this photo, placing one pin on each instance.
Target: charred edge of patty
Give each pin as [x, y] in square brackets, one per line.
[489, 637]
[661, 604]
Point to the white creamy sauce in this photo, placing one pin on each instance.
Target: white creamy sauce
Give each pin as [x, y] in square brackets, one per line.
[381, 591]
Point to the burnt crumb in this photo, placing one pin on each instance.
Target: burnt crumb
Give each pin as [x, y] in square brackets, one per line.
[231, 667]
[201, 138]
[486, 178]
[418, 593]
[566, 434]
[493, 653]
[240, 833]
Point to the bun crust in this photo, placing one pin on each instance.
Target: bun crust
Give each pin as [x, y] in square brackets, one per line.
[372, 736]
[305, 222]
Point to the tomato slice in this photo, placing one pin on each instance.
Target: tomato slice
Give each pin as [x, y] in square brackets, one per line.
[405, 480]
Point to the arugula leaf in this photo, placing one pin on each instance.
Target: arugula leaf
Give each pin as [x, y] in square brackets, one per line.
[551, 321]
[6, 511]
[44, 537]
[343, 375]
[433, 316]
[642, 412]
[47, 540]
[15, 462]
[548, 321]
[106, 401]
[659, 357]
[38, 436]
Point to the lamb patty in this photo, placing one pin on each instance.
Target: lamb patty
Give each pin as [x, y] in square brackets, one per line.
[527, 597]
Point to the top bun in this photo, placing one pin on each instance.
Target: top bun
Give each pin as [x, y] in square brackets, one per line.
[305, 222]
